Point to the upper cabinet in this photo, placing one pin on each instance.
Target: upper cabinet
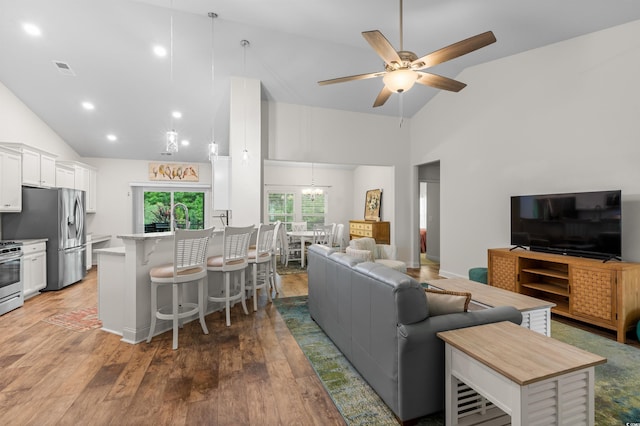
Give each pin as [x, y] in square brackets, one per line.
[79, 176]
[38, 167]
[10, 180]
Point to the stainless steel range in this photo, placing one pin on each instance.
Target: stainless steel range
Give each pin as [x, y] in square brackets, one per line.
[11, 295]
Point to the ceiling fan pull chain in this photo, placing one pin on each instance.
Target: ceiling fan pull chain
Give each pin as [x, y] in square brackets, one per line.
[401, 38]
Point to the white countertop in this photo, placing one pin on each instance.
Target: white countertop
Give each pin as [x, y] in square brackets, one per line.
[155, 235]
[98, 238]
[32, 241]
[120, 251]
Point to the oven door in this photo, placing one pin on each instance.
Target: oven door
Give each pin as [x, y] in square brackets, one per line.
[11, 291]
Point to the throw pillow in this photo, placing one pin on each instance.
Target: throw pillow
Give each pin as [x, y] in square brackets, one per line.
[442, 302]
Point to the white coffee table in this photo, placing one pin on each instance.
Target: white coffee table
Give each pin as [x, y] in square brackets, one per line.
[536, 313]
[496, 371]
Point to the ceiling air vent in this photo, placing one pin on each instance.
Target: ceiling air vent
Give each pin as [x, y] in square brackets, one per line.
[64, 68]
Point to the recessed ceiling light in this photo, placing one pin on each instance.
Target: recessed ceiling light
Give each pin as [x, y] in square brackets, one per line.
[184, 142]
[160, 51]
[176, 114]
[112, 137]
[31, 29]
[88, 106]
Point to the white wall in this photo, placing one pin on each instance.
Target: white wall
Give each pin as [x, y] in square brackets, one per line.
[372, 177]
[114, 202]
[301, 133]
[556, 119]
[19, 124]
[335, 180]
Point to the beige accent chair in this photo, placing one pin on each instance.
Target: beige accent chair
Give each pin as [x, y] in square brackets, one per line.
[366, 249]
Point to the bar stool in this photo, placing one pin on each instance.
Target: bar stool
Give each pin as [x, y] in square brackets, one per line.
[235, 244]
[189, 264]
[261, 255]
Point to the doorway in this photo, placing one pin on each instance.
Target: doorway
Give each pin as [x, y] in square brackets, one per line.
[429, 223]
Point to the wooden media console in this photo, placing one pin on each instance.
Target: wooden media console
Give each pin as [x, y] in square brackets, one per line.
[605, 294]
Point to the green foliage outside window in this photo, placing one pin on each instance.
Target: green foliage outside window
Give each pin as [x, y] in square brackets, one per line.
[157, 210]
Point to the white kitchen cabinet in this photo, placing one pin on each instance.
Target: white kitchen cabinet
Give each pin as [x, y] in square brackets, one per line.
[10, 180]
[83, 177]
[38, 167]
[91, 191]
[35, 267]
[64, 176]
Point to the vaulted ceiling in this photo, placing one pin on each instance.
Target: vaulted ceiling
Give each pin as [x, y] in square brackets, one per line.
[293, 44]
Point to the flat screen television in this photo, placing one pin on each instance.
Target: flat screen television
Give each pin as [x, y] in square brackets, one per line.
[586, 224]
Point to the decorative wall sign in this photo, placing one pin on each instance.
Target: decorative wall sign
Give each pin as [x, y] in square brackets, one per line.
[372, 204]
[174, 172]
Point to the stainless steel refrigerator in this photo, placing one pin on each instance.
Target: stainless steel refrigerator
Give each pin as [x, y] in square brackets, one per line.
[57, 214]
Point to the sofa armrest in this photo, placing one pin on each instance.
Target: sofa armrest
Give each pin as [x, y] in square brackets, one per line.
[386, 251]
[421, 354]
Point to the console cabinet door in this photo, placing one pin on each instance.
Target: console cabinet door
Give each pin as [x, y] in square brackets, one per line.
[592, 294]
[503, 271]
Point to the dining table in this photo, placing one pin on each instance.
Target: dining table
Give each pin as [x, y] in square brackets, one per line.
[304, 236]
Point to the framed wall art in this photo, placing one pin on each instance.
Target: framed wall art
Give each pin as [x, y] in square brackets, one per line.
[174, 172]
[373, 201]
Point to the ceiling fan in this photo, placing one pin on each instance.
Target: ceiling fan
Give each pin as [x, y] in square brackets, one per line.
[403, 68]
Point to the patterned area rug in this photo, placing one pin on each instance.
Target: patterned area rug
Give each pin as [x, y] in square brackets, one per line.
[78, 320]
[617, 399]
[292, 268]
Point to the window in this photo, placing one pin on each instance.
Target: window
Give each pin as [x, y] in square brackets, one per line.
[157, 210]
[313, 208]
[292, 206]
[152, 207]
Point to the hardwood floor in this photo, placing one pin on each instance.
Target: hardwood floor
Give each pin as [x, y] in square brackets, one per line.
[250, 373]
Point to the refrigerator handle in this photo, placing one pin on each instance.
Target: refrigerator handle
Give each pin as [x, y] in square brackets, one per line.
[79, 217]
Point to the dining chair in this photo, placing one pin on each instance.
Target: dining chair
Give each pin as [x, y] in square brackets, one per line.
[261, 256]
[189, 265]
[298, 226]
[322, 235]
[234, 258]
[338, 237]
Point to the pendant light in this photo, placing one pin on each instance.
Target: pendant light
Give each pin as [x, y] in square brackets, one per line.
[213, 146]
[313, 191]
[245, 152]
[171, 135]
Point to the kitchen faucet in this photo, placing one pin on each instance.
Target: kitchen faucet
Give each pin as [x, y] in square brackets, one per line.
[187, 224]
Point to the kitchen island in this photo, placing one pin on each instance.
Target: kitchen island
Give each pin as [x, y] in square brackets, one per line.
[124, 286]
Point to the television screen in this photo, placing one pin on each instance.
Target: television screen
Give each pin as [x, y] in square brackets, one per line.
[580, 224]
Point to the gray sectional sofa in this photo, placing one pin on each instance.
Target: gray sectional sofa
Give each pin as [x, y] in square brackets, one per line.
[378, 317]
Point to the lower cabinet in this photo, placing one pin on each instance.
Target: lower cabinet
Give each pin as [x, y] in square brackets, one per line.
[35, 268]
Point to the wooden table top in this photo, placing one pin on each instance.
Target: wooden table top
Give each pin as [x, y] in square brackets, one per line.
[491, 296]
[518, 353]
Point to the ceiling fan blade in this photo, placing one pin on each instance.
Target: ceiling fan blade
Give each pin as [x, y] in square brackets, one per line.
[382, 97]
[440, 82]
[455, 50]
[351, 78]
[382, 46]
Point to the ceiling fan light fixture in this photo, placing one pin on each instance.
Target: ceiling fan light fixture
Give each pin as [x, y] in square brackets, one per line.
[401, 80]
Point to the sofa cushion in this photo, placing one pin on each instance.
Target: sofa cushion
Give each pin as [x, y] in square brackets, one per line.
[398, 265]
[364, 255]
[442, 302]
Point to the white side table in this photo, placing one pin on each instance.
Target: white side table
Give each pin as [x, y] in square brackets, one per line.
[521, 374]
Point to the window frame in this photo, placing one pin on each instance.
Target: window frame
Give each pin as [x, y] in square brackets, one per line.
[297, 203]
